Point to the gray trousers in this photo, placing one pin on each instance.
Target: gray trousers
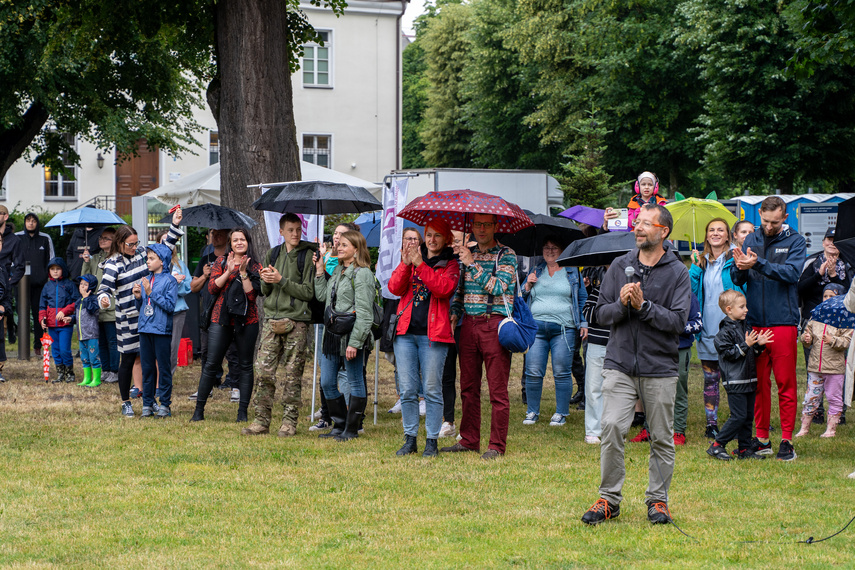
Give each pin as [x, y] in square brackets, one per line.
[619, 395]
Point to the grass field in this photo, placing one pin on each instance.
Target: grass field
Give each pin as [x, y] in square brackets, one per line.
[81, 486]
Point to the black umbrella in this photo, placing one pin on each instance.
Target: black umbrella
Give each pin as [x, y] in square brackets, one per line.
[316, 197]
[847, 249]
[597, 250]
[212, 216]
[845, 211]
[529, 241]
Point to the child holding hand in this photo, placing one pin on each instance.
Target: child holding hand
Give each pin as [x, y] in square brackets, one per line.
[155, 297]
[826, 368]
[55, 310]
[737, 345]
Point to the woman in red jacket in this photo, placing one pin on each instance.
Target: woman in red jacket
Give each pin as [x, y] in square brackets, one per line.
[426, 280]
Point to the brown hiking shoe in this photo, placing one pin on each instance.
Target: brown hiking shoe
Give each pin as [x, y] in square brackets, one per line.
[456, 448]
[287, 430]
[255, 429]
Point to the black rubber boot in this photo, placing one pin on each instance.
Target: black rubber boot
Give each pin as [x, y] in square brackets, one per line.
[410, 446]
[354, 413]
[199, 412]
[60, 374]
[430, 449]
[69, 374]
[245, 388]
[338, 414]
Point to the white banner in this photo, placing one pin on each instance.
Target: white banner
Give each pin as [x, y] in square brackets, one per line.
[312, 226]
[394, 200]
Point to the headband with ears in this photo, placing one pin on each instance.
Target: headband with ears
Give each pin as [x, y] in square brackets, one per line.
[655, 183]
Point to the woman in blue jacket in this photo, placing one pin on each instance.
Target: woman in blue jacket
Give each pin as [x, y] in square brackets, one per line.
[556, 296]
[710, 277]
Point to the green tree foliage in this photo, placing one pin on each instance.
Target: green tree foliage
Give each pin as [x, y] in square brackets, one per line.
[584, 179]
[414, 94]
[446, 46]
[761, 126]
[826, 33]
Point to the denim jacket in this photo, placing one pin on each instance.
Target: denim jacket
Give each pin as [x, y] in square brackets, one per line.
[579, 293]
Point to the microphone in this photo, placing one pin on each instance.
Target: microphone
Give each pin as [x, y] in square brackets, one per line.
[629, 272]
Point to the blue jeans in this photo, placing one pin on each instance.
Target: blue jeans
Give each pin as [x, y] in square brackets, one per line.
[61, 346]
[89, 353]
[155, 352]
[420, 365]
[108, 346]
[354, 369]
[594, 358]
[559, 341]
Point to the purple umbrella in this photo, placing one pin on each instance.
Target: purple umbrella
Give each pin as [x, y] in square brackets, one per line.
[585, 215]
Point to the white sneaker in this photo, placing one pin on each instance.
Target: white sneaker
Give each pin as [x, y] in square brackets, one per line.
[530, 419]
[422, 408]
[557, 420]
[396, 409]
[193, 396]
[316, 415]
[592, 440]
[852, 475]
[447, 430]
[235, 397]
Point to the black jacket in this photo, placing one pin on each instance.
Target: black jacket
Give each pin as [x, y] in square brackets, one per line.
[737, 360]
[644, 342]
[37, 248]
[74, 253]
[811, 285]
[12, 255]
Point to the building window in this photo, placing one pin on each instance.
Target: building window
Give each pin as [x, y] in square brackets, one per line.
[62, 186]
[317, 62]
[317, 149]
[213, 147]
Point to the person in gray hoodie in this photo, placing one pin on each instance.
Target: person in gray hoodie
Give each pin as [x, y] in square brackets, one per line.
[86, 312]
[645, 299]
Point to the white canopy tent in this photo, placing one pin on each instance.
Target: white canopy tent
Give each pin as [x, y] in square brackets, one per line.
[203, 186]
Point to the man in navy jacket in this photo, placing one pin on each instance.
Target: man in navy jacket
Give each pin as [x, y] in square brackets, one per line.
[769, 264]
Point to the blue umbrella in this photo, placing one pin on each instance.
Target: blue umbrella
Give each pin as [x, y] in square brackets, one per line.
[84, 217]
[369, 225]
[832, 312]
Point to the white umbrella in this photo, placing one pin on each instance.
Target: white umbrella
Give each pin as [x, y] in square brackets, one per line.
[203, 186]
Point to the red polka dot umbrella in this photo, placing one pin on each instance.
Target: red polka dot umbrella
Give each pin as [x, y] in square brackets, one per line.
[458, 206]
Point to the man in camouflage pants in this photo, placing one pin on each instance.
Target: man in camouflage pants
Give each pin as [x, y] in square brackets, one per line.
[287, 290]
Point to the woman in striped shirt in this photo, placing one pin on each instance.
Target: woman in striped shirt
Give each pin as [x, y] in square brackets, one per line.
[124, 267]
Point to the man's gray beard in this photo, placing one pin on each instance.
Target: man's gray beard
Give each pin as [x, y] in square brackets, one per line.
[648, 245]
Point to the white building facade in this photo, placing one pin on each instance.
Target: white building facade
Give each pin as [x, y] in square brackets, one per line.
[347, 106]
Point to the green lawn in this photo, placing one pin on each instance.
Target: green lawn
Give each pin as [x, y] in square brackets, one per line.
[81, 486]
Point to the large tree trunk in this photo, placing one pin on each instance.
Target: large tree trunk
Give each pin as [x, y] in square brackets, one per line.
[14, 141]
[255, 113]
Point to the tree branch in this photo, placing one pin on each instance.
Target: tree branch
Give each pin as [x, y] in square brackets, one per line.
[14, 141]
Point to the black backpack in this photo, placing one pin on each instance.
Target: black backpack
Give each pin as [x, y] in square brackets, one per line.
[315, 307]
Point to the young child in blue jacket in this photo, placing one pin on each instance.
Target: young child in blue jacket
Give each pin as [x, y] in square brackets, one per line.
[86, 312]
[56, 308]
[154, 297]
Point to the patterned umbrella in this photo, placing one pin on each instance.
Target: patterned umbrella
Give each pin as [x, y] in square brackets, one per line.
[832, 312]
[457, 207]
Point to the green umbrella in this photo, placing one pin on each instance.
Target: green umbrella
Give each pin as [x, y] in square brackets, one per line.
[692, 215]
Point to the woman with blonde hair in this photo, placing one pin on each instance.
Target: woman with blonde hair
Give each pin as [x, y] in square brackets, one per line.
[350, 293]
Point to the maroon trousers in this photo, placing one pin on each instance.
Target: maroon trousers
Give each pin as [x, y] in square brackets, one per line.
[479, 344]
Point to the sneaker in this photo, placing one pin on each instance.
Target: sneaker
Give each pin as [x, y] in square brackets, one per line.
[638, 419]
[235, 397]
[786, 451]
[147, 412]
[760, 448]
[193, 396]
[679, 439]
[155, 407]
[530, 419]
[852, 475]
[422, 408]
[447, 430]
[717, 451]
[396, 409]
[747, 454]
[642, 436]
[557, 420]
[320, 426]
[592, 440]
[316, 415]
[110, 377]
[602, 511]
[164, 412]
[127, 410]
[136, 393]
[711, 431]
[658, 513]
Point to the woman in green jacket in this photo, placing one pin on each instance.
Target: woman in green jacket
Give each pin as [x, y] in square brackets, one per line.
[352, 285]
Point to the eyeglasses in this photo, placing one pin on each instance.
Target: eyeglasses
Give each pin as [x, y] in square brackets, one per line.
[647, 225]
[132, 243]
[483, 225]
[551, 248]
